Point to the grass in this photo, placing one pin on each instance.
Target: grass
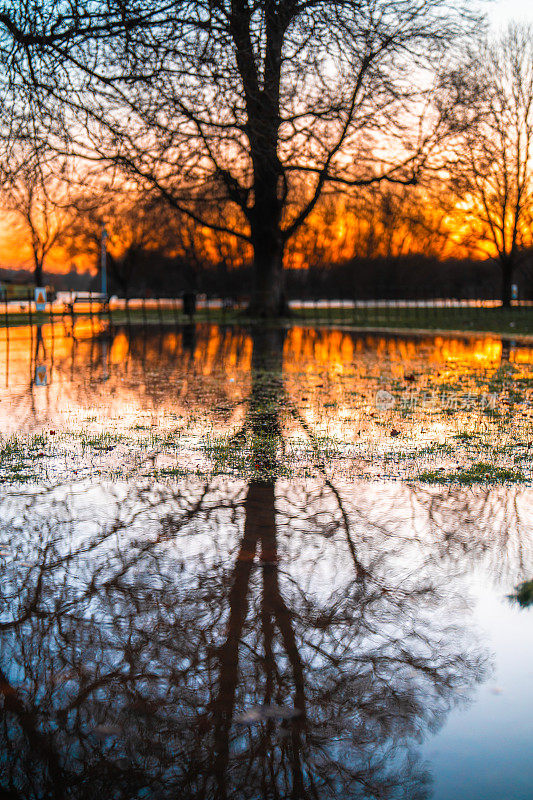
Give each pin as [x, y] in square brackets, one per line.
[18, 458]
[267, 455]
[302, 421]
[480, 473]
[104, 441]
[523, 594]
[511, 322]
[464, 459]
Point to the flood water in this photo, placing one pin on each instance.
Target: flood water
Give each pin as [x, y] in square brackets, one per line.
[174, 624]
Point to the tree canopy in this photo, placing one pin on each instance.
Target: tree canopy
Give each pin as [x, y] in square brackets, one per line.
[239, 114]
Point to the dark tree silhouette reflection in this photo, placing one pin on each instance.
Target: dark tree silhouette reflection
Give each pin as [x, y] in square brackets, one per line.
[222, 640]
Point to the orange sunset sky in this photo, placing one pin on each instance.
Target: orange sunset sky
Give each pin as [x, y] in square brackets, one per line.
[15, 247]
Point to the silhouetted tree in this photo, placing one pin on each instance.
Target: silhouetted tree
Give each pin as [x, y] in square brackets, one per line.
[239, 114]
[490, 168]
[34, 192]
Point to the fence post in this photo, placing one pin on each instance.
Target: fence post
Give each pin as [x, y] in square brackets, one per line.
[189, 304]
[51, 315]
[91, 312]
[7, 336]
[143, 308]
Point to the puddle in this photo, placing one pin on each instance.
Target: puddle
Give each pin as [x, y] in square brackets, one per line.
[167, 403]
[231, 568]
[213, 635]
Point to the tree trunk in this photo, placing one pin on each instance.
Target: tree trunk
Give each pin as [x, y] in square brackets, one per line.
[38, 274]
[269, 182]
[268, 292]
[507, 268]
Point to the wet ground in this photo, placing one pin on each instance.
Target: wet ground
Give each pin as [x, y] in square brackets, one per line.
[265, 564]
[357, 405]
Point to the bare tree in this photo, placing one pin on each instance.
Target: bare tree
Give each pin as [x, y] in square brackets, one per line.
[229, 110]
[490, 169]
[35, 195]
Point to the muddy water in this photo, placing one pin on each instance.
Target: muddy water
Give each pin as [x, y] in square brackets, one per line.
[244, 633]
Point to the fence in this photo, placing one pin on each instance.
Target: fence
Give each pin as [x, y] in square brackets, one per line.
[379, 313]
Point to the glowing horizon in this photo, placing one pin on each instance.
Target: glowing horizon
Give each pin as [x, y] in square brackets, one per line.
[16, 254]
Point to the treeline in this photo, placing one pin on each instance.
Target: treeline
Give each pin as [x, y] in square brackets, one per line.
[408, 276]
[412, 276]
[72, 280]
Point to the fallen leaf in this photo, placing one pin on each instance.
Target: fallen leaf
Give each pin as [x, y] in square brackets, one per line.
[105, 731]
[260, 713]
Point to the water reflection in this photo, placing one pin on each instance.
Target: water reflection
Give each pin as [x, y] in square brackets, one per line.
[194, 387]
[200, 360]
[193, 613]
[259, 638]
[227, 639]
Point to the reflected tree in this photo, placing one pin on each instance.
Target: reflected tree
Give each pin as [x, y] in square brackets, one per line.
[488, 525]
[225, 639]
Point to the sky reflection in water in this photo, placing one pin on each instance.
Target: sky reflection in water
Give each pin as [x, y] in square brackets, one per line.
[186, 395]
[258, 636]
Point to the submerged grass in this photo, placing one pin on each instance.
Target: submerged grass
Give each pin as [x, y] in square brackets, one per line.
[480, 473]
[461, 417]
[19, 458]
[523, 594]
[303, 433]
